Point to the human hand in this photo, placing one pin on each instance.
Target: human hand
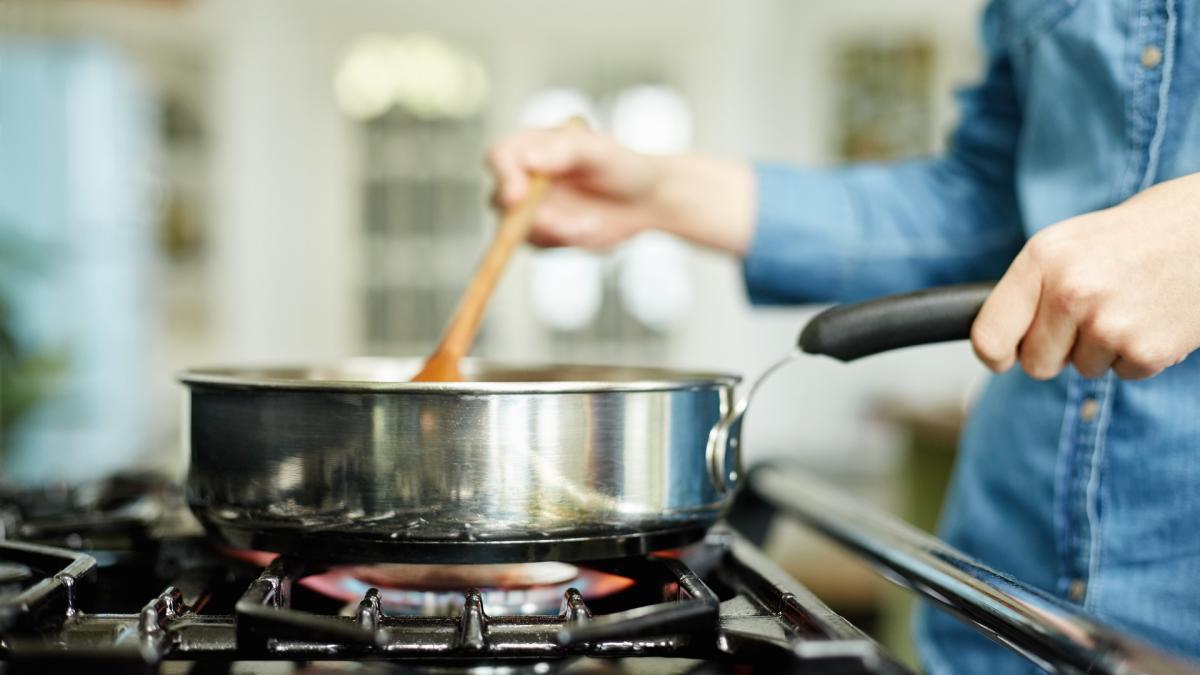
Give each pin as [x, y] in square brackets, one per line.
[604, 192]
[1115, 288]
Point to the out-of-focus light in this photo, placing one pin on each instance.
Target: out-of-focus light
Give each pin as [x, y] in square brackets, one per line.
[652, 118]
[434, 80]
[364, 83]
[424, 75]
[654, 283]
[567, 288]
[552, 107]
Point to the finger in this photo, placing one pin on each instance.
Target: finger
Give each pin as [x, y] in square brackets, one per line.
[546, 238]
[559, 220]
[1047, 344]
[1128, 370]
[577, 230]
[564, 151]
[1007, 314]
[1091, 358]
[512, 178]
[570, 217]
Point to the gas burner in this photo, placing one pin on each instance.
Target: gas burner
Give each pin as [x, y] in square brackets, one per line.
[441, 599]
[456, 577]
[519, 589]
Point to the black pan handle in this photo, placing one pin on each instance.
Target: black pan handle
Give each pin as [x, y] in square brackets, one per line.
[849, 332]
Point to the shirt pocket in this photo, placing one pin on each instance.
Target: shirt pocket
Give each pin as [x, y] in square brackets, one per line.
[1027, 21]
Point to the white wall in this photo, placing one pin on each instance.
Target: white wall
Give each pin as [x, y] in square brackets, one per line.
[282, 178]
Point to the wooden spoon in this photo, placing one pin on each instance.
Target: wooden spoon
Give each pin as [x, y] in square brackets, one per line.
[442, 365]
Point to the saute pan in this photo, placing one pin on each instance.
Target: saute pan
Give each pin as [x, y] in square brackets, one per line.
[519, 463]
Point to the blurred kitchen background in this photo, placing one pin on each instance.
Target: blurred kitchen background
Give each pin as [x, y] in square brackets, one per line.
[190, 182]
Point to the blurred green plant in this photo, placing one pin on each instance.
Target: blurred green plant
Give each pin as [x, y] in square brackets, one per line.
[27, 376]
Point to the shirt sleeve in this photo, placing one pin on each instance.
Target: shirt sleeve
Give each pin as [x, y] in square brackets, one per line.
[870, 229]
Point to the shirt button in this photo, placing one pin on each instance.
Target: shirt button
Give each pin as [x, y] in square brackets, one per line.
[1076, 590]
[1151, 56]
[1088, 409]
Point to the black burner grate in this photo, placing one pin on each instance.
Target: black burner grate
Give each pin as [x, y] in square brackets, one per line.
[30, 603]
[723, 604]
[268, 624]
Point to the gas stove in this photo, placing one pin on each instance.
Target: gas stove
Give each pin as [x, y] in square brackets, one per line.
[119, 578]
[127, 583]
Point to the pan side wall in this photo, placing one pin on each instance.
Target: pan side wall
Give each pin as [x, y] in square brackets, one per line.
[464, 467]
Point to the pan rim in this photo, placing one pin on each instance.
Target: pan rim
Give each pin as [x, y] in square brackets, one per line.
[293, 377]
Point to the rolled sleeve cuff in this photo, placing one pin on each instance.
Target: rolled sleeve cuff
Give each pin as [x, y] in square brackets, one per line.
[796, 253]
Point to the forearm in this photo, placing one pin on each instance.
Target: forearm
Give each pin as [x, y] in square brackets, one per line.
[857, 231]
[839, 233]
[707, 200]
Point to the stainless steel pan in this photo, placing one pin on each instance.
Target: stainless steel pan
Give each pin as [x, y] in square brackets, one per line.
[520, 463]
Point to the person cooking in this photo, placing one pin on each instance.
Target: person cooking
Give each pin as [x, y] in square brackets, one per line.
[1073, 176]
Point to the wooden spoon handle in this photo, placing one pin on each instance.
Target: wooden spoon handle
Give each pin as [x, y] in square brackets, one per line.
[514, 228]
[442, 365]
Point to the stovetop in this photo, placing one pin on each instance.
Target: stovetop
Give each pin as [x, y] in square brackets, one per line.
[126, 583]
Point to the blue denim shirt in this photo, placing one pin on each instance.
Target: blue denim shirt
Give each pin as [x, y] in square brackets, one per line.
[1089, 489]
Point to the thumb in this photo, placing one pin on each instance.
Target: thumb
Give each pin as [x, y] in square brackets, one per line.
[1007, 314]
[567, 151]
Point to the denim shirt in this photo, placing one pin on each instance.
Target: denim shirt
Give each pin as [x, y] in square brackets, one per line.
[1089, 489]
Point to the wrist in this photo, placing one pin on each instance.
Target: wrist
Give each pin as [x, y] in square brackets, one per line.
[707, 200]
[665, 208]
